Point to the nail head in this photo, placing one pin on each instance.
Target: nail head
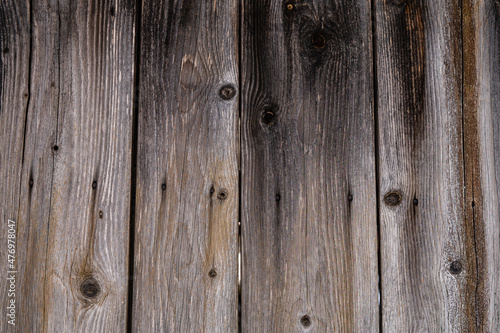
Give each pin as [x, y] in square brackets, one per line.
[212, 273]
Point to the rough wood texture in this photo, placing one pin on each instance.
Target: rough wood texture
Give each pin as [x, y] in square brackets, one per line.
[14, 95]
[481, 47]
[427, 257]
[185, 277]
[309, 252]
[73, 221]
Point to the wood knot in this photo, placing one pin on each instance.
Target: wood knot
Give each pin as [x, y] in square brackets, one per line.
[456, 267]
[222, 195]
[268, 117]
[6, 50]
[399, 3]
[305, 321]
[318, 41]
[392, 198]
[212, 273]
[90, 288]
[227, 92]
[112, 11]
[289, 6]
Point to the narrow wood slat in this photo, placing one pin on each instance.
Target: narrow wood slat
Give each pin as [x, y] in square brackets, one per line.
[309, 253]
[481, 47]
[14, 95]
[427, 256]
[73, 235]
[185, 277]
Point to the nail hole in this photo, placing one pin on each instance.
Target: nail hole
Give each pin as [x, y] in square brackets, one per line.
[227, 92]
[90, 288]
[56, 147]
[101, 214]
[94, 184]
[31, 183]
[473, 204]
[212, 191]
[163, 187]
[305, 321]
[278, 197]
[222, 195]
[456, 267]
[25, 95]
[268, 117]
[6, 50]
[349, 197]
[212, 273]
[318, 41]
[415, 202]
[392, 198]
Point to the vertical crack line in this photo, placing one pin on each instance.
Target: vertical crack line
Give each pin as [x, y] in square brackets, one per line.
[133, 166]
[26, 111]
[465, 168]
[377, 157]
[240, 255]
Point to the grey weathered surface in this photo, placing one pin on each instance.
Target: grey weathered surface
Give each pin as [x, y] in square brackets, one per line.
[187, 169]
[73, 236]
[309, 253]
[14, 95]
[481, 47]
[424, 239]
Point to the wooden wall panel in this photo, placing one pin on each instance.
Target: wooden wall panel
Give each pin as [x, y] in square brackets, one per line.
[308, 205]
[481, 54]
[186, 236]
[74, 202]
[427, 255]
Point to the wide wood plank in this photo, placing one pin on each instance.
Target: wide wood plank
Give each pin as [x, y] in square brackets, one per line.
[186, 236]
[73, 222]
[481, 47]
[14, 96]
[309, 225]
[427, 257]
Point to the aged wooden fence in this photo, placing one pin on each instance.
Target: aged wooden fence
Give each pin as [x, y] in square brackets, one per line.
[250, 166]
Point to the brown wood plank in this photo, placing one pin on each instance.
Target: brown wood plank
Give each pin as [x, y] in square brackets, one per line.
[73, 223]
[14, 96]
[481, 47]
[309, 227]
[186, 237]
[427, 260]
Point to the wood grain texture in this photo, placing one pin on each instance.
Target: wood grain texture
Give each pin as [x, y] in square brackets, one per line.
[73, 225]
[427, 257]
[481, 47]
[185, 277]
[309, 253]
[14, 95]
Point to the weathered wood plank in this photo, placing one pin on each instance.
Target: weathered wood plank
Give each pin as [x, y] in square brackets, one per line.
[481, 47]
[186, 237]
[427, 260]
[309, 228]
[14, 95]
[73, 226]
